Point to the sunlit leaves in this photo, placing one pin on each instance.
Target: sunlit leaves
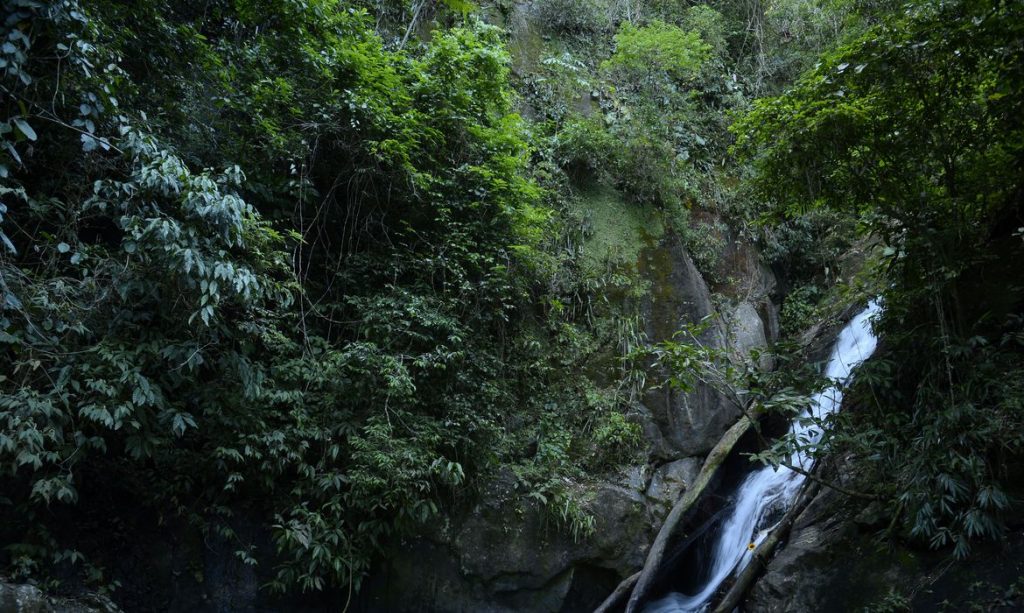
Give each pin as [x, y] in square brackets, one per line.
[658, 46]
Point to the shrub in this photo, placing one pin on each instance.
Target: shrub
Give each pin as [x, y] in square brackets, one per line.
[657, 48]
[616, 437]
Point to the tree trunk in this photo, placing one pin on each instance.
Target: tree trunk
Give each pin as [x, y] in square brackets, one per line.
[669, 529]
[759, 561]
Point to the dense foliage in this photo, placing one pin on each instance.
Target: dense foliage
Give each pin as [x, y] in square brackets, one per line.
[914, 129]
[260, 257]
[301, 264]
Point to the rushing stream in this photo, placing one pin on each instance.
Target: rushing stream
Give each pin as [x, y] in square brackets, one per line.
[765, 494]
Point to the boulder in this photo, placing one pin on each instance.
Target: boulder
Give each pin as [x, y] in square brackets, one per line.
[670, 481]
[747, 334]
[826, 563]
[690, 423]
[505, 555]
[834, 562]
[25, 598]
[740, 275]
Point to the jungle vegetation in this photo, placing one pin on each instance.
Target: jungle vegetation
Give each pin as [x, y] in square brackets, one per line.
[325, 261]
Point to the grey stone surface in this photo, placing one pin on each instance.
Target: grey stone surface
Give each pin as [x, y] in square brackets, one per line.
[670, 481]
[506, 556]
[747, 334]
[690, 422]
[25, 598]
[22, 598]
[833, 562]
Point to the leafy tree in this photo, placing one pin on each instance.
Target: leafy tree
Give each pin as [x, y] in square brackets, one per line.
[334, 334]
[915, 129]
[658, 48]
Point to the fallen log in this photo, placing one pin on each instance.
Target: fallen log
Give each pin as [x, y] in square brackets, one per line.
[763, 553]
[668, 532]
[612, 603]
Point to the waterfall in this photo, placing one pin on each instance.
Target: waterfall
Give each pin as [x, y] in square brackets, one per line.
[766, 493]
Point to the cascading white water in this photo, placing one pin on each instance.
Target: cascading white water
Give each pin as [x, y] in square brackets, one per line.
[766, 493]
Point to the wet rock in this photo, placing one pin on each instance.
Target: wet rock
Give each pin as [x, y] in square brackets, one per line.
[771, 315]
[678, 293]
[826, 563]
[738, 272]
[691, 422]
[832, 562]
[624, 529]
[636, 478]
[741, 276]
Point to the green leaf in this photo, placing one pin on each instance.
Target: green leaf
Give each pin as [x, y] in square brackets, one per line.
[24, 128]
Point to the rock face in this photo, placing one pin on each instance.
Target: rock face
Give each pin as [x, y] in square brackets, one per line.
[740, 276]
[509, 555]
[832, 563]
[690, 423]
[506, 555]
[747, 334]
[23, 598]
[502, 556]
[669, 482]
